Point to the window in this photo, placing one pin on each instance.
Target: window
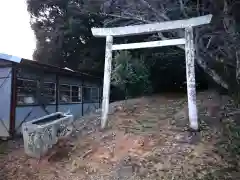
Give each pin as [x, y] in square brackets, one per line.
[94, 94]
[90, 94]
[49, 92]
[65, 93]
[70, 93]
[26, 91]
[87, 94]
[76, 94]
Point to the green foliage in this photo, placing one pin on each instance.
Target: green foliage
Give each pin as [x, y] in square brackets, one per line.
[63, 33]
[130, 74]
[64, 38]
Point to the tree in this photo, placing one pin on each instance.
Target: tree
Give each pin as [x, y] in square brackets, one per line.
[63, 31]
[214, 42]
[130, 74]
[63, 34]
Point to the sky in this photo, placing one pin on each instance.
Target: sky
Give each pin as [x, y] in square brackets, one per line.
[16, 35]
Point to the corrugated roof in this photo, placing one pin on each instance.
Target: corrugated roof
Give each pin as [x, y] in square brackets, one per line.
[24, 61]
[52, 67]
[10, 58]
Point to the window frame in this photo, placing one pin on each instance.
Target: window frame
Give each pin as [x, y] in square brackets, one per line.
[91, 99]
[55, 91]
[19, 94]
[59, 93]
[79, 87]
[70, 90]
[98, 96]
[36, 103]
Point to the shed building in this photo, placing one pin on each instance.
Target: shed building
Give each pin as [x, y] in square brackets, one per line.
[30, 89]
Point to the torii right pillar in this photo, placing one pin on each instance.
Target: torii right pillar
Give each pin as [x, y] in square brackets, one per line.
[190, 74]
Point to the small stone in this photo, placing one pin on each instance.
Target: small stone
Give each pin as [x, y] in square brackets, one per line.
[142, 171]
[159, 166]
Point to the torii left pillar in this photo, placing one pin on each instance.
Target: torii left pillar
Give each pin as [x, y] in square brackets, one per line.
[107, 79]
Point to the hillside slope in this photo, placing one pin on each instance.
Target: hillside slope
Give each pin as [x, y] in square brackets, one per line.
[146, 138]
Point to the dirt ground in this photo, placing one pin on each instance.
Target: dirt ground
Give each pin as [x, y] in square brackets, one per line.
[146, 138]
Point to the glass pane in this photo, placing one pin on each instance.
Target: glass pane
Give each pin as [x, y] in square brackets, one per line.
[26, 91]
[94, 94]
[87, 94]
[49, 92]
[64, 93]
[76, 94]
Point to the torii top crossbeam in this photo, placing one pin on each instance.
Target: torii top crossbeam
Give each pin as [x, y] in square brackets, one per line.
[151, 28]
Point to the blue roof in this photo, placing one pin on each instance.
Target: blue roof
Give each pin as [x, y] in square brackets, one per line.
[10, 58]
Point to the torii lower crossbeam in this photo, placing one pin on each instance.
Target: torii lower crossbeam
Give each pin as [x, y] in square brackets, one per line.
[187, 24]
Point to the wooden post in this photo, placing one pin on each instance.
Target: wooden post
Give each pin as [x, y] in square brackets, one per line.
[190, 73]
[57, 92]
[13, 101]
[107, 80]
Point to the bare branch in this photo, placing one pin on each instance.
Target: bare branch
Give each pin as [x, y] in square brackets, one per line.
[238, 66]
[183, 8]
[198, 8]
[160, 16]
[131, 13]
[208, 44]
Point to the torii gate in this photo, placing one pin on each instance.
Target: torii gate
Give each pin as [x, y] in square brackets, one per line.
[187, 24]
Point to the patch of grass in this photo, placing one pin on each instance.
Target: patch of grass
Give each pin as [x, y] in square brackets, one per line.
[3, 147]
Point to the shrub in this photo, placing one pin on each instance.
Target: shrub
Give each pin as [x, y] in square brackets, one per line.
[130, 74]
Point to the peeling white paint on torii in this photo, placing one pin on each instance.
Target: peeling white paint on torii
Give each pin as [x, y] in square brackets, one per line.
[187, 24]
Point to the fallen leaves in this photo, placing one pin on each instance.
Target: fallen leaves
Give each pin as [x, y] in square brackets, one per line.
[146, 139]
